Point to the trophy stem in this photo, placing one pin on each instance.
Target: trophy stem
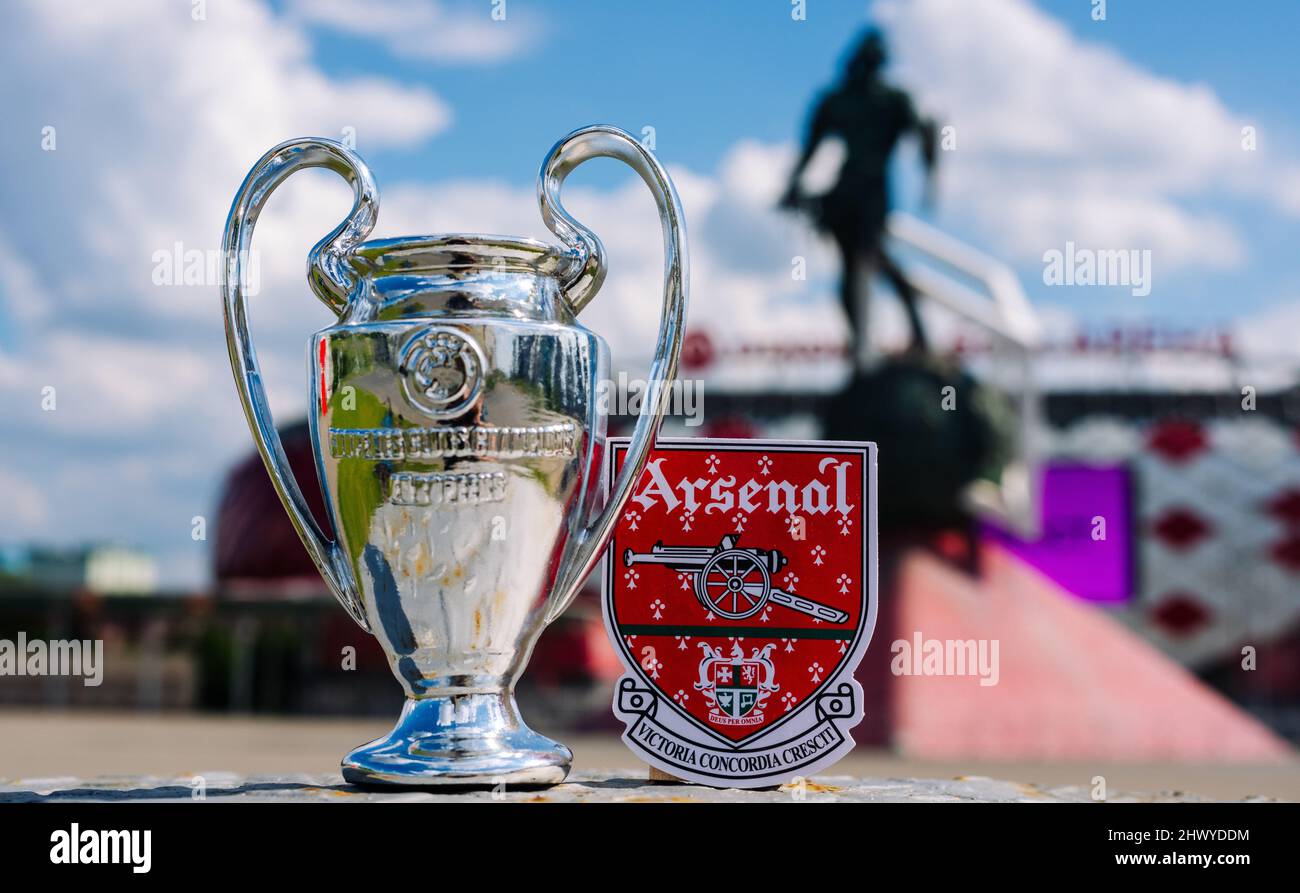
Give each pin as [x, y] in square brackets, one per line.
[463, 739]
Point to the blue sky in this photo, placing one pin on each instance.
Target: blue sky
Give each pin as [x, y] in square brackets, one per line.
[707, 75]
[1116, 134]
[733, 67]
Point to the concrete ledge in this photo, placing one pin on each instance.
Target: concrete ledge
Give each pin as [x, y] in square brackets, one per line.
[582, 787]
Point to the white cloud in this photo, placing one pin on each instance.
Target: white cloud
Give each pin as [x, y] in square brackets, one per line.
[107, 385]
[1059, 139]
[155, 119]
[1270, 336]
[25, 506]
[425, 29]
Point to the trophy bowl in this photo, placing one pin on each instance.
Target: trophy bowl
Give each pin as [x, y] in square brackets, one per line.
[458, 442]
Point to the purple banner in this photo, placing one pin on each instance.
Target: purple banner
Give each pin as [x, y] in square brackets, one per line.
[1087, 537]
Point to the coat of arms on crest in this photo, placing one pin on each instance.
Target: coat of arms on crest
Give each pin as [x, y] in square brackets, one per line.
[740, 594]
[736, 687]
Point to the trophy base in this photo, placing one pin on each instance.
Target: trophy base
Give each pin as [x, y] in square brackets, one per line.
[475, 739]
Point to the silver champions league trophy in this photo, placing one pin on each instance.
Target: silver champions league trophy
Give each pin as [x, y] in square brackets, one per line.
[458, 440]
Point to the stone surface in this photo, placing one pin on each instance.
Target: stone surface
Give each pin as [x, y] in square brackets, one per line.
[583, 787]
[66, 748]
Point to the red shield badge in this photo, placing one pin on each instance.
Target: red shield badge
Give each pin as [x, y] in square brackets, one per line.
[740, 594]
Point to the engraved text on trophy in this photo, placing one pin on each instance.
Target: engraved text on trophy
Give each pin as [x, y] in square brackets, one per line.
[456, 442]
[454, 489]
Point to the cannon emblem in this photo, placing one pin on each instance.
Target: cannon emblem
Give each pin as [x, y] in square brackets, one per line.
[732, 582]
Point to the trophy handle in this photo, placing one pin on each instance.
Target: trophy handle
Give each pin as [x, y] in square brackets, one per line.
[568, 153]
[330, 280]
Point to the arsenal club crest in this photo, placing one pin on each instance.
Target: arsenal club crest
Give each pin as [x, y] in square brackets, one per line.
[740, 594]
